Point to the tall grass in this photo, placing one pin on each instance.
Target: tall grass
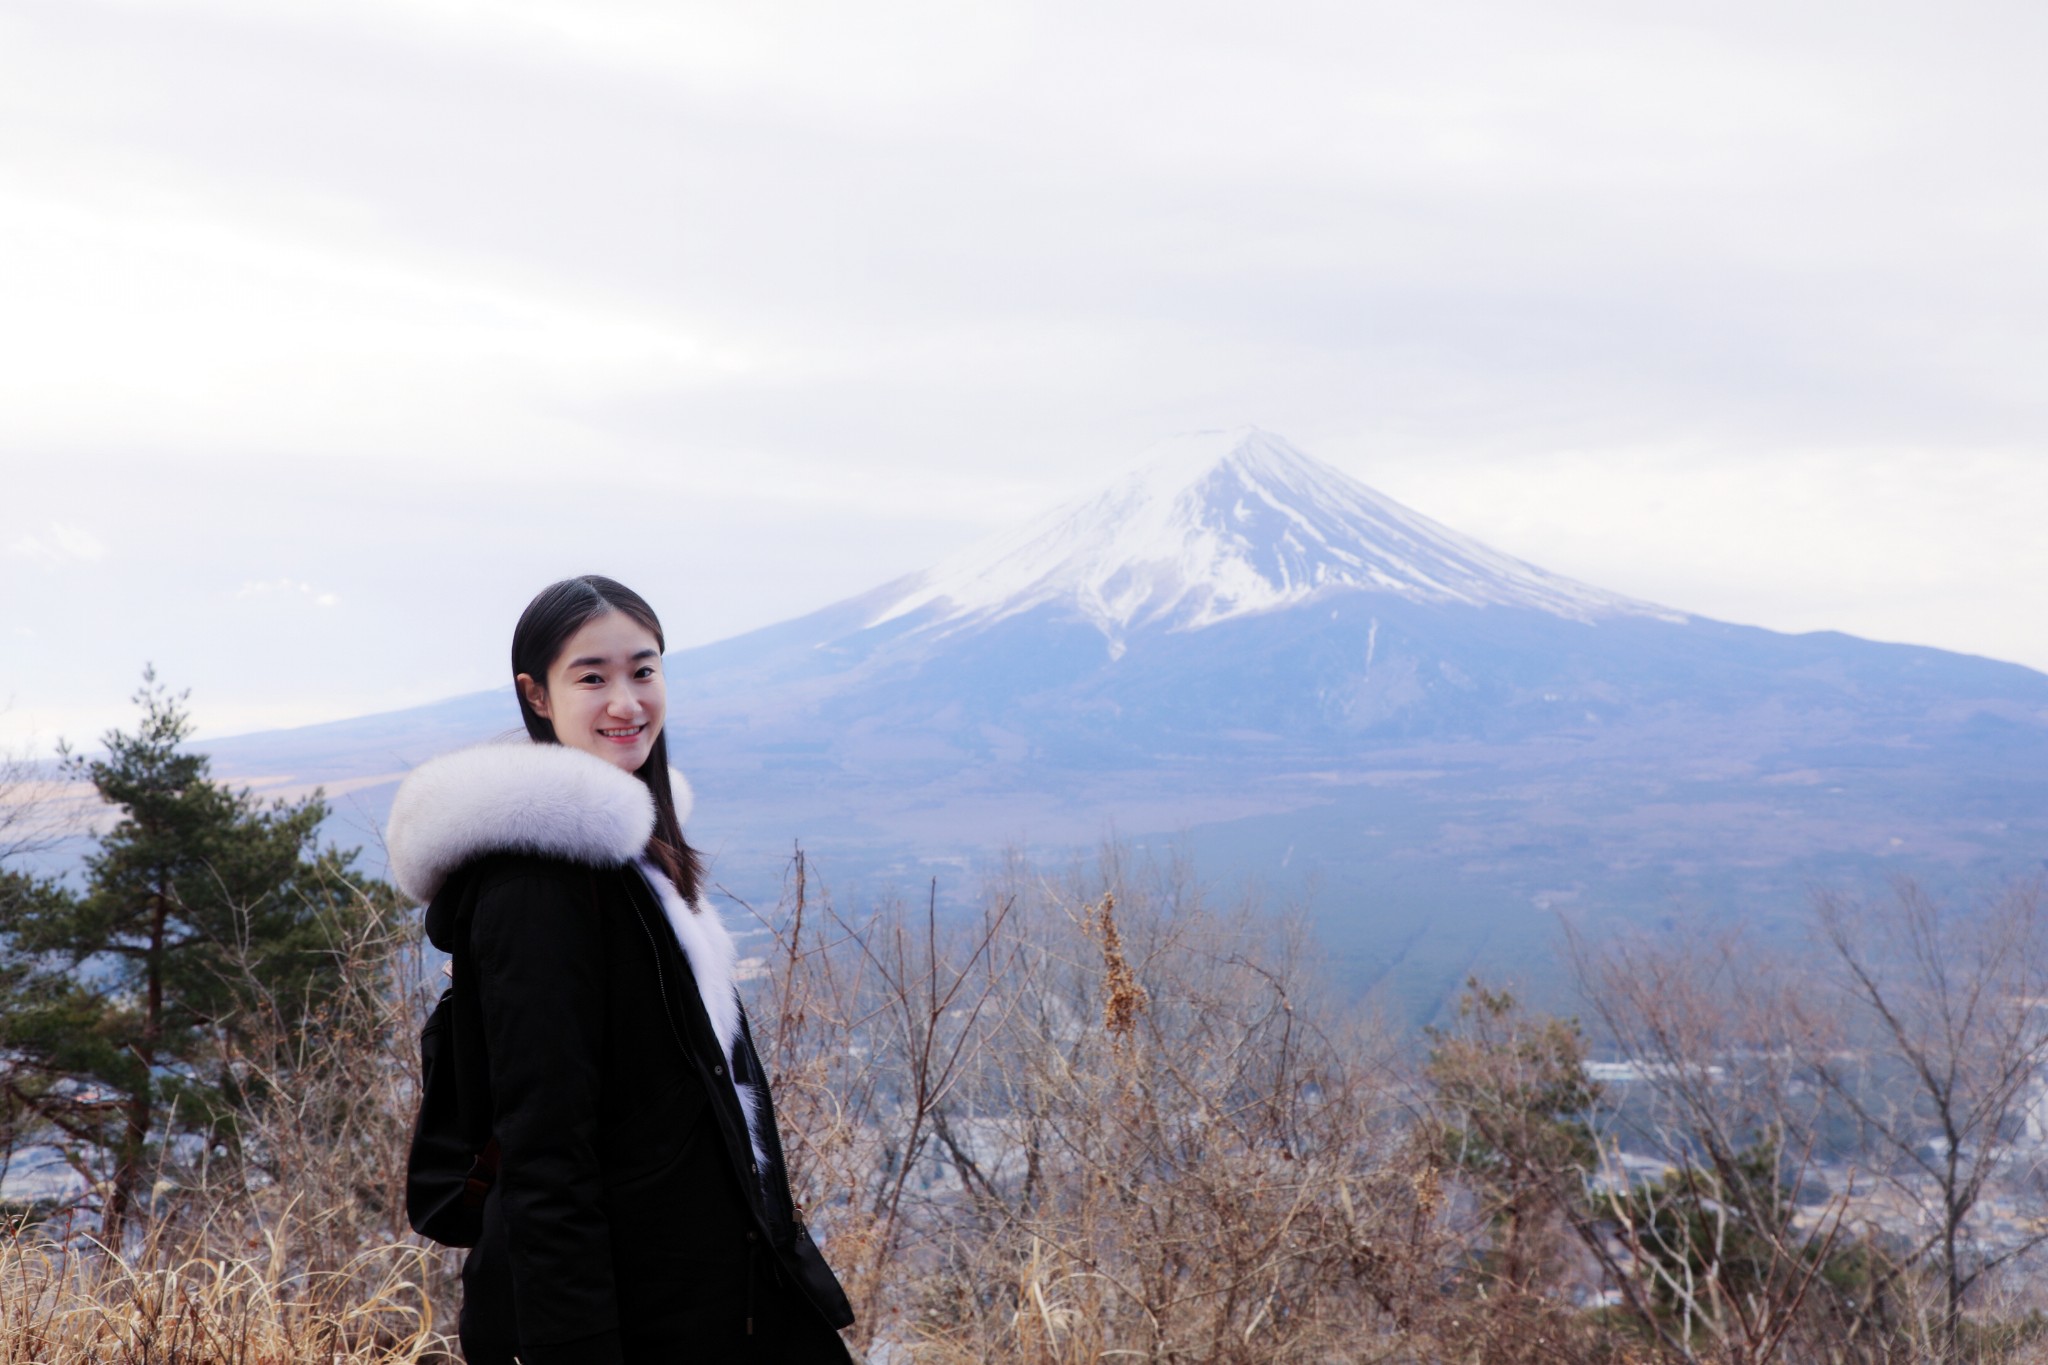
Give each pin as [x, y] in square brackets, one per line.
[65, 1301]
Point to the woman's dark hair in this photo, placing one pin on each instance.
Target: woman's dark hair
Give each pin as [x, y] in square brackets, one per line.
[557, 612]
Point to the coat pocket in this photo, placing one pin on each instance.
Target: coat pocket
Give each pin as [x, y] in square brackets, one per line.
[681, 1259]
[681, 1204]
[646, 1136]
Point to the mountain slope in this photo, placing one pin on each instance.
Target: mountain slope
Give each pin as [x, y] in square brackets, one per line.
[1225, 524]
[1312, 681]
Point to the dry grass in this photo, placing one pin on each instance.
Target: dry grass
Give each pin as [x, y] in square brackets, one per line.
[283, 1238]
[65, 1302]
[1109, 1119]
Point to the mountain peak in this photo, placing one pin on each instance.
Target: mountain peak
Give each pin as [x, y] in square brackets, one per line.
[1193, 454]
[1218, 524]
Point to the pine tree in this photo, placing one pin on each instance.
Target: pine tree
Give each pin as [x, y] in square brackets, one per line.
[121, 999]
[1515, 1109]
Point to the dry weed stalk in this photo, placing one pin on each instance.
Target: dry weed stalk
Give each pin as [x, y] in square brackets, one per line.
[1122, 997]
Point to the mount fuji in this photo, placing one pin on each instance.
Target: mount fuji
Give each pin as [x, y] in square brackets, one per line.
[1325, 693]
[1227, 524]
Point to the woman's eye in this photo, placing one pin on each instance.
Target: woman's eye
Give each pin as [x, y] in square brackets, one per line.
[590, 678]
[646, 672]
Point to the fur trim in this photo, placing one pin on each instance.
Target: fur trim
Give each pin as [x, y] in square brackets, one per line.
[714, 961]
[518, 797]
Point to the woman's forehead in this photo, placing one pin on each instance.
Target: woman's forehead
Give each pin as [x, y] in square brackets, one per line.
[609, 638]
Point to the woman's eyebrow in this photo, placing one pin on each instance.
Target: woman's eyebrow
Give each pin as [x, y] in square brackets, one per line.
[598, 660]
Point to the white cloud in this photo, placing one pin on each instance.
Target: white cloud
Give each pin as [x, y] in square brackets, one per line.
[59, 544]
[769, 303]
[286, 587]
[165, 322]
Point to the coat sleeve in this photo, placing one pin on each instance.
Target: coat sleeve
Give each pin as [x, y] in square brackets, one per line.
[539, 955]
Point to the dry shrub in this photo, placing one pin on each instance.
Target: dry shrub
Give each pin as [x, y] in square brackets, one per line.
[319, 1163]
[1107, 1118]
[281, 1237]
[1834, 1130]
[1110, 1118]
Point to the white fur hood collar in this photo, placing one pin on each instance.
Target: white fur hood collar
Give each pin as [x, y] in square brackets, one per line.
[518, 797]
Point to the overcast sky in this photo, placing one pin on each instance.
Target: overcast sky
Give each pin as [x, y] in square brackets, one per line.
[331, 331]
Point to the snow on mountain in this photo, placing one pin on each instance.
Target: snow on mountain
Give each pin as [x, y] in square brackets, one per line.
[1424, 729]
[1217, 525]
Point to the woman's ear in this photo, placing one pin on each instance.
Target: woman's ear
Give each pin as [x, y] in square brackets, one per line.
[536, 695]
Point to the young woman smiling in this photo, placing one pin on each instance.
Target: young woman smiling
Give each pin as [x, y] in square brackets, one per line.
[639, 1211]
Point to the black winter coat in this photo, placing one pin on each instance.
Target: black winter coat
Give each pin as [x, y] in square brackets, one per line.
[630, 1220]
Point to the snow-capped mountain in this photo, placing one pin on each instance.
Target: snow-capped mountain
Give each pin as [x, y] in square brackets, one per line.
[1217, 525]
[1312, 682]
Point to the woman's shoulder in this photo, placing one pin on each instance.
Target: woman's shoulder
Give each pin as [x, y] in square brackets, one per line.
[512, 888]
[514, 873]
[513, 809]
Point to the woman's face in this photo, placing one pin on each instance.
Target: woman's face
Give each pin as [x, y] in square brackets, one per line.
[604, 692]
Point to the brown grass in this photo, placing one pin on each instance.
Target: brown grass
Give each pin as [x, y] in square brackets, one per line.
[66, 1302]
[1107, 1119]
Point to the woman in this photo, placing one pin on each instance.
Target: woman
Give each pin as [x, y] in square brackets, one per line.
[640, 1210]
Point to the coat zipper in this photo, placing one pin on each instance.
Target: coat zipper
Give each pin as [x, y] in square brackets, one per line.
[661, 980]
